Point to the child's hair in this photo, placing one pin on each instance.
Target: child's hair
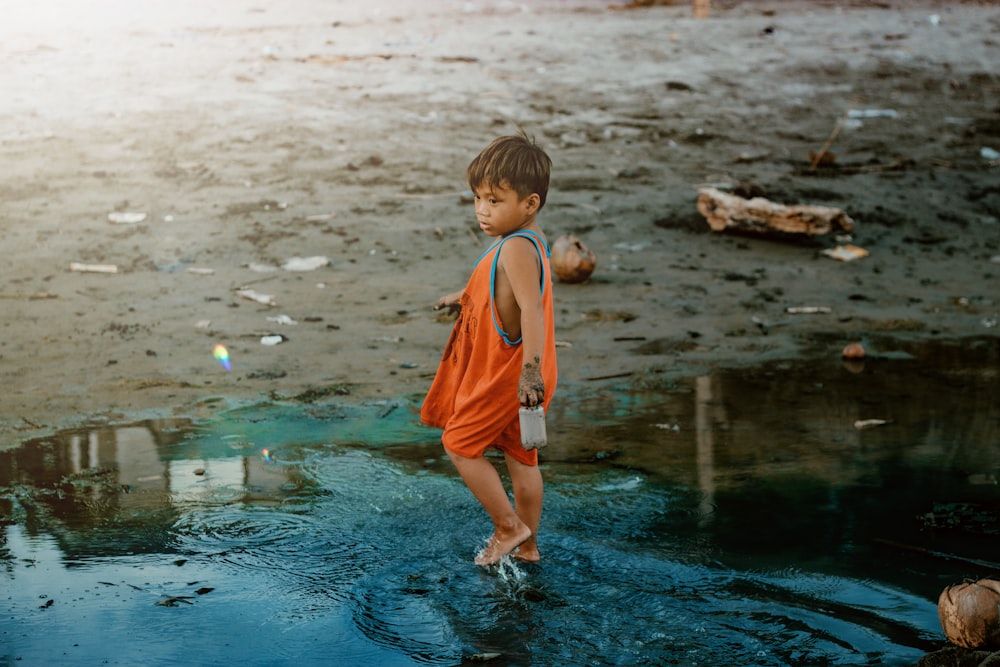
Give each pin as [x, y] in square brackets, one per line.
[514, 162]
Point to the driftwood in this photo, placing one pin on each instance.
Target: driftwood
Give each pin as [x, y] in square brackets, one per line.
[725, 211]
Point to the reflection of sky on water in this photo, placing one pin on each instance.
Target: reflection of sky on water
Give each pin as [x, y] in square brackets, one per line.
[741, 514]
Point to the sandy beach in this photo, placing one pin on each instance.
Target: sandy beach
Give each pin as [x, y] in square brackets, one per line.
[191, 174]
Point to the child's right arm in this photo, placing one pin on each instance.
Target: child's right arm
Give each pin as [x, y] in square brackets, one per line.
[449, 301]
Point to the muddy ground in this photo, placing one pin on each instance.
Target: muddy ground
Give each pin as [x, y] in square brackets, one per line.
[250, 135]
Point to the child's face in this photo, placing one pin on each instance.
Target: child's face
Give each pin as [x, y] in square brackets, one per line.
[500, 211]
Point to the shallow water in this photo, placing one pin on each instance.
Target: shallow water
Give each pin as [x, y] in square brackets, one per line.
[741, 518]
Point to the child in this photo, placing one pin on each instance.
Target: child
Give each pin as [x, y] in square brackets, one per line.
[501, 353]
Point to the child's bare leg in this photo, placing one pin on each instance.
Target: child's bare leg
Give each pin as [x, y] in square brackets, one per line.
[528, 492]
[508, 529]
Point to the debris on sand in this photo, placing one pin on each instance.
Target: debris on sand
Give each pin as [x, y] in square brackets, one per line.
[724, 211]
[93, 268]
[253, 295]
[846, 253]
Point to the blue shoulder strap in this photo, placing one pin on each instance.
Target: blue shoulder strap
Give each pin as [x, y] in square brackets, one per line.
[541, 249]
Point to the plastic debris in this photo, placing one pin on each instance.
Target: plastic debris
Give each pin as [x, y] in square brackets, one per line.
[872, 113]
[989, 153]
[200, 271]
[273, 339]
[93, 268]
[124, 218]
[305, 263]
[846, 253]
[282, 319]
[806, 310]
[532, 422]
[863, 424]
[252, 295]
[668, 427]
[261, 268]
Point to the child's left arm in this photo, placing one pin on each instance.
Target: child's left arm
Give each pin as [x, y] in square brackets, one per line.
[521, 265]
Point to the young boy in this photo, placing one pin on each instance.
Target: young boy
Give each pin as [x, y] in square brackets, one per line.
[501, 353]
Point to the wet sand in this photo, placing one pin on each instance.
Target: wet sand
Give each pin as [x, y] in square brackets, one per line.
[249, 136]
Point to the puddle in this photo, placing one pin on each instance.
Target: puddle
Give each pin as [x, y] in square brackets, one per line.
[737, 518]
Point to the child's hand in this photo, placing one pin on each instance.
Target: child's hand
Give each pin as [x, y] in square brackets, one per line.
[531, 387]
[449, 301]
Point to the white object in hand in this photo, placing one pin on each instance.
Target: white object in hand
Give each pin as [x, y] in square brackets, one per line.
[532, 427]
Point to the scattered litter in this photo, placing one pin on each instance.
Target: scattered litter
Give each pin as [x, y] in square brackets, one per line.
[633, 247]
[724, 211]
[320, 217]
[872, 113]
[408, 364]
[200, 271]
[93, 268]
[282, 319]
[261, 268]
[806, 310]
[863, 424]
[252, 295]
[202, 324]
[989, 322]
[388, 339]
[126, 218]
[989, 153]
[305, 263]
[934, 19]
[273, 339]
[846, 253]
[668, 427]
[564, 343]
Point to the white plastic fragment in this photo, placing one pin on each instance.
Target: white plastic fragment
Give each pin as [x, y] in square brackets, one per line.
[862, 424]
[253, 295]
[261, 268]
[806, 310]
[200, 271]
[93, 268]
[276, 339]
[125, 218]
[872, 113]
[846, 253]
[305, 263]
[989, 153]
[282, 319]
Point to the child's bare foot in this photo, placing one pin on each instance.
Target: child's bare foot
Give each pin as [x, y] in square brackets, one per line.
[527, 553]
[502, 542]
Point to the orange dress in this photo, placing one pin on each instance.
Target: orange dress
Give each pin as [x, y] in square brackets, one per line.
[474, 394]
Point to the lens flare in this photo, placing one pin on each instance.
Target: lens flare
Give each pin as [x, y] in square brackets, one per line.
[266, 455]
[221, 355]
